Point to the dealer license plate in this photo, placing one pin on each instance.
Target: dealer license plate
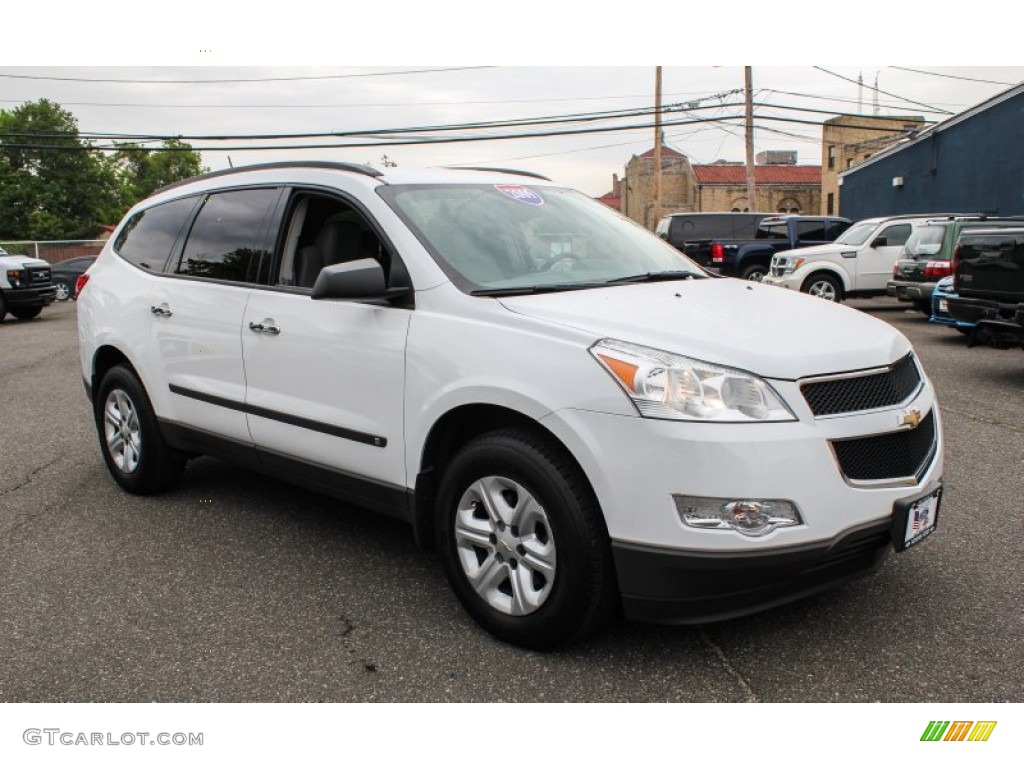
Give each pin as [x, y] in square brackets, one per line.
[943, 305]
[914, 520]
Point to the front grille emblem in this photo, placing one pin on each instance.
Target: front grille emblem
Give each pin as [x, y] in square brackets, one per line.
[910, 418]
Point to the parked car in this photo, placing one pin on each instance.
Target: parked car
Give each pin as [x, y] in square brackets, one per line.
[66, 273]
[751, 258]
[858, 264]
[25, 286]
[693, 233]
[989, 279]
[944, 290]
[926, 257]
[522, 375]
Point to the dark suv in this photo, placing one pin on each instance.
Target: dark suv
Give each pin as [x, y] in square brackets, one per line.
[927, 256]
[988, 268]
[693, 233]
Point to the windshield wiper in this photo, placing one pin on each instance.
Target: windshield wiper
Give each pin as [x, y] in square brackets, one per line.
[528, 289]
[654, 277]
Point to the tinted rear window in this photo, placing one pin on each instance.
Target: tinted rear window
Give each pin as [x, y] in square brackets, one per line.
[227, 239]
[148, 236]
[714, 226]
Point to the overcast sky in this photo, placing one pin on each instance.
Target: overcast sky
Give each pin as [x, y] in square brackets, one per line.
[378, 97]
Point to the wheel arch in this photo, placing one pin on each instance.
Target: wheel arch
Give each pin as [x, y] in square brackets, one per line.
[104, 358]
[448, 434]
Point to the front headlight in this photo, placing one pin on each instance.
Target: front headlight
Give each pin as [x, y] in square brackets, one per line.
[792, 264]
[667, 386]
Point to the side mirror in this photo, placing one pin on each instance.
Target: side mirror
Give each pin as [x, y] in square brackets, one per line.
[360, 279]
[879, 242]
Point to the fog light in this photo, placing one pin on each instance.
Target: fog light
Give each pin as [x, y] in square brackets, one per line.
[751, 517]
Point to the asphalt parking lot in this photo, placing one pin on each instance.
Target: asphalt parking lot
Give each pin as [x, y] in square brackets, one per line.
[235, 587]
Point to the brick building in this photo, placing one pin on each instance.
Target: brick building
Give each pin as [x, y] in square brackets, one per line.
[722, 186]
[850, 140]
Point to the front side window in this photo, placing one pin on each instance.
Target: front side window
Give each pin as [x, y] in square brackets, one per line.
[508, 236]
[147, 237]
[227, 239]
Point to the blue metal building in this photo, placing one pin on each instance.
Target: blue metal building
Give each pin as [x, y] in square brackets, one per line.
[971, 163]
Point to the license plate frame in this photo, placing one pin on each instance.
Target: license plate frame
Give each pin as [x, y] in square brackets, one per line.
[915, 519]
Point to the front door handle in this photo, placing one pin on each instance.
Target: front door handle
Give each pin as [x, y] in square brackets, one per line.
[267, 325]
[162, 310]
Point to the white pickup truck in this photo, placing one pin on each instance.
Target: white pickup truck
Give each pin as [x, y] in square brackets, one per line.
[25, 286]
[858, 263]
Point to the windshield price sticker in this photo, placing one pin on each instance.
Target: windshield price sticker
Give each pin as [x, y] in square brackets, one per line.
[520, 194]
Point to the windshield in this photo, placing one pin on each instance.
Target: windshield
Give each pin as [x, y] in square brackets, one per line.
[926, 241]
[857, 234]
[507, 236]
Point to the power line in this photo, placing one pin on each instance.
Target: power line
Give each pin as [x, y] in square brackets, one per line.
[853, 101]
[879, 90]
[952, 77]
[240, 79]
[350, 105]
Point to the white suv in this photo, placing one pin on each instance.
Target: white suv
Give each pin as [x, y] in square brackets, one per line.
[575, 415]
[858, 264]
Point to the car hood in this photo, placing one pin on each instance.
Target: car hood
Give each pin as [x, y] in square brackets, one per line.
[826, 249]
[11, 261]
[759, 328]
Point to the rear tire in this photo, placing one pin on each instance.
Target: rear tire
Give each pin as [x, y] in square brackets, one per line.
[924, 306]
[3, 307]
[26, 314]
[65, 290]
[138, 458]
[755, 273]
[523, 542]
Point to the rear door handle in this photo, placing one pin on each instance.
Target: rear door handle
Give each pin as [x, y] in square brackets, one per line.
[162, 310]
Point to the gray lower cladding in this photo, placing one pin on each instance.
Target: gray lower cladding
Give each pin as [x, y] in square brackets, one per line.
[394, 501]
[690, 587]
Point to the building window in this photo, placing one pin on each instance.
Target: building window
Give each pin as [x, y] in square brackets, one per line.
[831, 157]
[830, 204]
[849, 162]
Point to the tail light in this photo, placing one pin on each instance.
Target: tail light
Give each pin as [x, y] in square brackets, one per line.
[717, 253]
[80, 283]
[936, 269]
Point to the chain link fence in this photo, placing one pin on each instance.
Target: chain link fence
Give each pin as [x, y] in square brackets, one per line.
[53, 251]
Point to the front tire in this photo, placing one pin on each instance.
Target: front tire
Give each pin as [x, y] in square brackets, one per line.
[138, 458]
[523, 542]
[824, 287]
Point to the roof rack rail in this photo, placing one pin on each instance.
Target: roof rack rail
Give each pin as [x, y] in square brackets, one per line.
[511, 171]
[352, 167]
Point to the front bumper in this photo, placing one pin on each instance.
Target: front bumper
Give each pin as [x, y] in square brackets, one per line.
[907, 291]
[785, 281]
[672, 572]
[698, 587]
[18, 298]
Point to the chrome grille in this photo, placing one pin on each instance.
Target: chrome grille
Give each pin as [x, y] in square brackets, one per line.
[853, 393]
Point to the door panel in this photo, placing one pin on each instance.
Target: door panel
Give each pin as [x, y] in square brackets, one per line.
[328, 386]
[874, 265]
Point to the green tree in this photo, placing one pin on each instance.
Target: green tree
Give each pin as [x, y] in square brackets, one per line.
[143, 171]
[53, 185]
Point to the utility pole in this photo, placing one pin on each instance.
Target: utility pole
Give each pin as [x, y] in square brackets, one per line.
[657, 146]
[748, 78]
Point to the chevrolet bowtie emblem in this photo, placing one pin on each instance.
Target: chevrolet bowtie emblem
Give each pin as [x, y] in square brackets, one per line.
[911, 418]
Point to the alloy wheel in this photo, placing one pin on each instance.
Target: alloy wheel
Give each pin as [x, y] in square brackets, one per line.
[121, 430]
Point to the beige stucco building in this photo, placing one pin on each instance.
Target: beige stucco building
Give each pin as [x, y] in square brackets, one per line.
[851, 139]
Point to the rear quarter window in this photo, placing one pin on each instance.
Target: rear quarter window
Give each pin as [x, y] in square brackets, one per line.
[147, 238]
